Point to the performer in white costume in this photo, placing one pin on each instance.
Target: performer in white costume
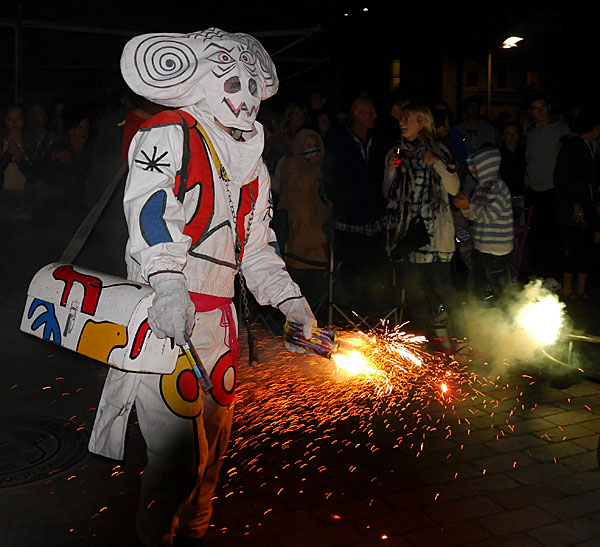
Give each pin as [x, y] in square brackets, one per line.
[197, 203]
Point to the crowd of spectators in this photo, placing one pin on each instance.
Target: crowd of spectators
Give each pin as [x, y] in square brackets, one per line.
[354, 183]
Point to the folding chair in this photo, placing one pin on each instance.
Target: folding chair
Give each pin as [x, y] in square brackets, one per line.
[363, 295]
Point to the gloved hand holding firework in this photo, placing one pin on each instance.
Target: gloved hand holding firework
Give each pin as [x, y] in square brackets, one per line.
[297, 310]
[172, 312]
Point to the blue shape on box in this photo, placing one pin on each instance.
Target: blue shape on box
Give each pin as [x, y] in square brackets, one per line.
[47, 318]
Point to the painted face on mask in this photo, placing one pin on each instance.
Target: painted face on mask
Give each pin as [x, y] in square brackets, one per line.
[233, 93]
[225, 74]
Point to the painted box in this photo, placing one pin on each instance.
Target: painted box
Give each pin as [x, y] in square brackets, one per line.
[98, 315]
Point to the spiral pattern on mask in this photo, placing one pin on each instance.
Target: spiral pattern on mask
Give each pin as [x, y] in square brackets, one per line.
[163, 61]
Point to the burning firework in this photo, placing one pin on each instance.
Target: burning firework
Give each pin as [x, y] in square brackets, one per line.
[301, 416]
[542, 318]
[371, 377]
[534, 318]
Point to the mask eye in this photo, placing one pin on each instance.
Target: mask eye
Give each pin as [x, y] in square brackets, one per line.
[253, 87]
[221, 57]
[247, 58]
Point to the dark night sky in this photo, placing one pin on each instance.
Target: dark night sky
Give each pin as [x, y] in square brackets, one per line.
[558, 44]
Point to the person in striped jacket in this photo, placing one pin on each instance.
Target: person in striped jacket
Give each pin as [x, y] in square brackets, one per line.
[490, 209]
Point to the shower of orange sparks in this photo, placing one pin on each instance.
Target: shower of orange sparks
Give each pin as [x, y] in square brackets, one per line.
[368, 354]
[384, 371]
[378, 387]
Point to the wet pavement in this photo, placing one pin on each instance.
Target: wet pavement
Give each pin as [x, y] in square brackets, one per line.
[515, 465]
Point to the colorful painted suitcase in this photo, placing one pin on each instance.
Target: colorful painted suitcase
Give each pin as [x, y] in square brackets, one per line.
[98, 315]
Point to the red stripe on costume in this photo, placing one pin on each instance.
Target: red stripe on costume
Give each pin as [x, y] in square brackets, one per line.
[244, 208]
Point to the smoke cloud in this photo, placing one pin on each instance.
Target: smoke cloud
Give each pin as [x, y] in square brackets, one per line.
[527, 321]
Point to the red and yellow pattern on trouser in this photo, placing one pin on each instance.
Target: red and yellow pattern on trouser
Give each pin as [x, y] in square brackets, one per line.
[186, 433]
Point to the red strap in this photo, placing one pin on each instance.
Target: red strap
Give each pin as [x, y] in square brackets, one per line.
[206, 302]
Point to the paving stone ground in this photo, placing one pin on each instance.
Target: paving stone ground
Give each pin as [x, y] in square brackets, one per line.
[530, 480]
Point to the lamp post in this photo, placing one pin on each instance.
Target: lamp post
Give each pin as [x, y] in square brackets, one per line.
[510, 42]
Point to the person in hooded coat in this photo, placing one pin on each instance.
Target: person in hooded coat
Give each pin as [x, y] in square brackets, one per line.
[490, 209]
[307, 247]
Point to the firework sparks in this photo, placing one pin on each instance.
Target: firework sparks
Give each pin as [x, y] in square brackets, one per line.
[382, 358]
[380, 390]
[373, 377]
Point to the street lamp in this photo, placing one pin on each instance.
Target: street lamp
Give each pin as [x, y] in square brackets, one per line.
[510, 42]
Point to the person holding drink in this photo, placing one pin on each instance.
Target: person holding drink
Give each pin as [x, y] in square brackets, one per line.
[420, 174]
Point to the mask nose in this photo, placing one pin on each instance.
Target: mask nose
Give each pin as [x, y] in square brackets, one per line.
[232, 85]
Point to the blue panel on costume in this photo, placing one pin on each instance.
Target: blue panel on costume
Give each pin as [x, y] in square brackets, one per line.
[152, 225]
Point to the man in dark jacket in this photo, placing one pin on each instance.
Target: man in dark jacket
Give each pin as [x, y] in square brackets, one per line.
[543, 145]
[576, 183]
[353, 172]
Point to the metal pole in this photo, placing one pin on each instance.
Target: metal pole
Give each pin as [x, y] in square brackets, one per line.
[19, 55]
[489, 84]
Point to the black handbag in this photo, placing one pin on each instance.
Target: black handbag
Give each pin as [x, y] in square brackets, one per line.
[416, 236]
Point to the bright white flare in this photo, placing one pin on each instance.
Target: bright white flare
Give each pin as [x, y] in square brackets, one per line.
[542, 319]
[353, 363]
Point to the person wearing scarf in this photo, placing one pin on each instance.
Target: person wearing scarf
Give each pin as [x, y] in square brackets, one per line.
[419, 176]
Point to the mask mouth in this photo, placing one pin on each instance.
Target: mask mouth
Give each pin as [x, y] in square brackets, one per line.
[242, 107]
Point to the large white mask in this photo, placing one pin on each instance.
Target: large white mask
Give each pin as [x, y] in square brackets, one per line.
[227, 74]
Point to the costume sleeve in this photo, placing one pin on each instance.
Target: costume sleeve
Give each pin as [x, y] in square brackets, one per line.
[263, 268]
[155, 217]
[450, 180]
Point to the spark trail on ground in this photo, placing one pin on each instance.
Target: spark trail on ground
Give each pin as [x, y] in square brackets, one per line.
[383, 376]
[308, 425]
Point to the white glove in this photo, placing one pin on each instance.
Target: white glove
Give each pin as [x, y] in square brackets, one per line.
[172, 312]
[297, 310]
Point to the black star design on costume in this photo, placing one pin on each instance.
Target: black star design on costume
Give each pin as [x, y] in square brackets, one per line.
[153, 164]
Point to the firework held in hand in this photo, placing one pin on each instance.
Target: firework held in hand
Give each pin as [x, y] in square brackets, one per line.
[370, 374]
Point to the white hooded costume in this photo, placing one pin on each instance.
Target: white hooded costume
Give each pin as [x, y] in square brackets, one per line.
[186, 239]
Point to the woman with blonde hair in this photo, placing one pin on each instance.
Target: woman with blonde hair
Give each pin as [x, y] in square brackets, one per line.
[420, 174]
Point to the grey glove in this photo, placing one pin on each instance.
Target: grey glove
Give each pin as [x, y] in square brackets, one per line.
[172, 312]
[297, 310]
